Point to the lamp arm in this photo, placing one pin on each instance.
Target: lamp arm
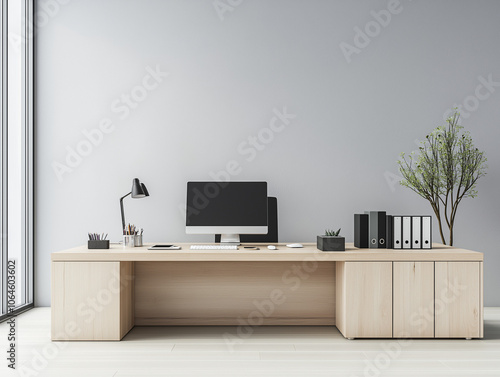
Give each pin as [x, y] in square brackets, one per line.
[121, 207]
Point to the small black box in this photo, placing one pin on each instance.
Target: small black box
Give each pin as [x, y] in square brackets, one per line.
[95, 244]
[361, 231]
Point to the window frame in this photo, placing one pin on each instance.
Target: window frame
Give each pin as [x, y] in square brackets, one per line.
[28, 159]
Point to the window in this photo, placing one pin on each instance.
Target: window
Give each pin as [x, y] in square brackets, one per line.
[16, 155]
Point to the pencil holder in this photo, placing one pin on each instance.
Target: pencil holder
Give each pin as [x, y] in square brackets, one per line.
[138, 240]
[95, 244]
[128, 241]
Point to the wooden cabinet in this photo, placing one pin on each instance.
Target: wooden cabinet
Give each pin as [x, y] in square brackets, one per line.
[364, 299]
[413, 308]
[410, 299]
[92, 300]
[458, 300]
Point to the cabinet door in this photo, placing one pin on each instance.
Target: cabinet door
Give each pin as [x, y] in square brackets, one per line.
[413, 300]
[457, 302]
[367, 297]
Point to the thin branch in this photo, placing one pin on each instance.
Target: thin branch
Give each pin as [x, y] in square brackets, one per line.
[445, 171]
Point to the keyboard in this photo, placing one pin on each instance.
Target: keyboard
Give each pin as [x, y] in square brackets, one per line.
[214, 247]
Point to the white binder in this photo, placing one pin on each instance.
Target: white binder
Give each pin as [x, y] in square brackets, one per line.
[416, 232]
[426, 232]
[397, 232]
[406, 234]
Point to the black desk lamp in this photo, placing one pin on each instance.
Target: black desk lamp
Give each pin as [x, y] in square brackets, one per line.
[139, 190]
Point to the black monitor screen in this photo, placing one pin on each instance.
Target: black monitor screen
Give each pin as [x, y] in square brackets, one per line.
[226, 204]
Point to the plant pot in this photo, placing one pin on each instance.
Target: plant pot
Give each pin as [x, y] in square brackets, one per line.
[331, 243]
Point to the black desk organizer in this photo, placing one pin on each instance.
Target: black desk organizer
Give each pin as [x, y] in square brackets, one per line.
[95, 244]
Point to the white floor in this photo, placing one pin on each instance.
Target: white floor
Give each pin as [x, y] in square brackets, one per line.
[269, 351]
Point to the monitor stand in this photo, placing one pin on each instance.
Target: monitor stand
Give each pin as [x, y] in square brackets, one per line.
[230, 239]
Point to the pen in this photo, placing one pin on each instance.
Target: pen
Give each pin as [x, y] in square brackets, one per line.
[98, 236]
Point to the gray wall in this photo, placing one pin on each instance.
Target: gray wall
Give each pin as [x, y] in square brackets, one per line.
[227, 76]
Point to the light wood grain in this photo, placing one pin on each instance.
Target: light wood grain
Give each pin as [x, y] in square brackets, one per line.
[86, 300]
[231, 293]
[340, 307]
[413, 304]
[481, 301]
[368, 299]
[127, 297]
[117, 253]
[353, 289]
[57, 284]
[457, 304]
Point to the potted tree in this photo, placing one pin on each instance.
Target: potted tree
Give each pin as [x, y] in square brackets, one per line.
[331, 241]
[444, 171]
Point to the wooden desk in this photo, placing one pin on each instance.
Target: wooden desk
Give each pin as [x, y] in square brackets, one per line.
[366, 293]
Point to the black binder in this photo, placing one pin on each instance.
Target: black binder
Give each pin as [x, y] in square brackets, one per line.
[361, 231]
[389, 225]
[377, 229]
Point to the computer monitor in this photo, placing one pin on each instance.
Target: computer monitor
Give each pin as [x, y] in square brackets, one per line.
[228, 208]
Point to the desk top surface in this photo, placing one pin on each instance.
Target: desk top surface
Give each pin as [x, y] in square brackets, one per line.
[117, 253]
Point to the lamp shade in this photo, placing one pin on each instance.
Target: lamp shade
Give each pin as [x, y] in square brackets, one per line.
[139, 190]
[144, 189]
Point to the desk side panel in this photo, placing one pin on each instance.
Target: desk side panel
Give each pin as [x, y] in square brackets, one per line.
[127, 290]
[481, 300]
[340, 296]
[85, 301]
